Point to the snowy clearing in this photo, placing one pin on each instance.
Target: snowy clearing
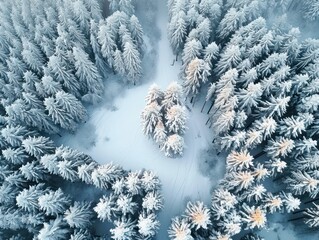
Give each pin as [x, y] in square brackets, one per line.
[113, 133]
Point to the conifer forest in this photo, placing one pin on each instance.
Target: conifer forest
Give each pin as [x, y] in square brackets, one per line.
[159, 119]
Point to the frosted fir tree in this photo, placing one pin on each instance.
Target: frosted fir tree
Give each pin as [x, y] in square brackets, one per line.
[193, 49]
[249, 98]
[82, 14]
[34, 171]
[301, 182]
[50, 87]
[154, 94]
[37, 146]
[198, 214]
[106, 208]
[311, 9]
[50, 163]
[119, 186]
[240, 180]
[133, 183]
[68, 170]
[255, 193]
[150, 116]
[28, 198]
[81, 235]
[119, 65]
[239, 160]
[32, 55]
[180, 229]
[124, 36]
[254, 216]
[58, 115]
[172, 95]
[15, 156]
[160, 133]
[126, 205]
[273, 202]
[211, 53]
[149, 181]
[178, 32]
[176, 118]
[312, 216]
[136, 31]
[196, 74]
[58, 68]
[105, 175]
[84, 172]
[79, 215]
[204, 31]
[229, 58]
[147, 224]
[174, 145]
[88, 75]
[132, 60]
[279, 147]
[70, 104]
[152, 201]
[53, 230]
[123, 229]
[232, 21]
[65, 109]
[106, 40]
[54, 202]
[14, 135]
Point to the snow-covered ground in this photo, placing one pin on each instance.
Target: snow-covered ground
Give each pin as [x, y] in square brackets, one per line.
[113, 133]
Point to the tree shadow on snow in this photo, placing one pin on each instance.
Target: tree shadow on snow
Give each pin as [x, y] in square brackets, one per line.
[211, 165]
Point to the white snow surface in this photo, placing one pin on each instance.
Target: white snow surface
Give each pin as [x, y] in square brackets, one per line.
[113, 133]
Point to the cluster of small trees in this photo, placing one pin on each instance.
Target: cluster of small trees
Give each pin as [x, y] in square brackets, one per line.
[263, 106]
[164, 118]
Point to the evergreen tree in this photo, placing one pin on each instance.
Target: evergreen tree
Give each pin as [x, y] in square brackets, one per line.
[197, 73]
[132, 60]
[53, 230]
[173, 146]
[53, 202]
[37, 146]
[79, 215]
[88, 76]
[176, 119]
[28, 198]
[147, 225]
[150, 117]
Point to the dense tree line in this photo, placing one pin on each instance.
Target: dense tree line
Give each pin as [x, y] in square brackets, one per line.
[54, 57]
[261, 99]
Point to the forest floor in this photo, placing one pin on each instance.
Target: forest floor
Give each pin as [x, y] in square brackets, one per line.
[113, 133]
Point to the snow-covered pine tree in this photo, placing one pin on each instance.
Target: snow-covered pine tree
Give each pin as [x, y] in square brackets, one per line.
[54, 203]
[132, 60]
[88, 75]
[150, 116]
[174, 145]
[79, 215]
[176, 118]
[54, 229]
[178, 32]
[172, 95]
[196, 74]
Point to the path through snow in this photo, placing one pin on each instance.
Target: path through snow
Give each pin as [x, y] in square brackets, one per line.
[117, 136]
